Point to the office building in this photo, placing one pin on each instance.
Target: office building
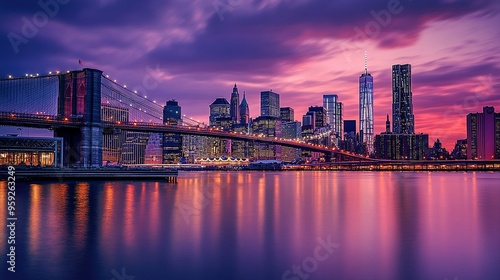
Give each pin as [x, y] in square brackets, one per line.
[398, 146]
[134, 149]
[460, 150]
[402, 103]
[112, 140]
[154, 149]
[195, 147]
[319, 113]
[172, 113]
[291, 130]
[308, 124]
[269, 104]
[239, 148]
[219, 112]
[244, 111]
[172, 143]
[333, 113]
[287, 114]
[401, 146]
[483, 134]
[437, 151]
[366, 120]
[270, 127]
[235, 105]
[350, 127]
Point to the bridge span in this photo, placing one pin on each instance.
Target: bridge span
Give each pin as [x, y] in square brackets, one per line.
[72, 105]
[56, 122]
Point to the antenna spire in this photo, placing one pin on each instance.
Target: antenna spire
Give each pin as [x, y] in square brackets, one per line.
[366, 63]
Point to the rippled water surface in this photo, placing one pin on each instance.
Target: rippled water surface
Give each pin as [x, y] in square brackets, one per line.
[259, 225]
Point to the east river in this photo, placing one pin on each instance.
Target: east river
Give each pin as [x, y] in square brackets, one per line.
[258, 225]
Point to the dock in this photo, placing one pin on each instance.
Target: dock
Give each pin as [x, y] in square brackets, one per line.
[95, 174]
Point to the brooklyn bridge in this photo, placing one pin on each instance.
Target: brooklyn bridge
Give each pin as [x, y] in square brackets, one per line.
[71, 105]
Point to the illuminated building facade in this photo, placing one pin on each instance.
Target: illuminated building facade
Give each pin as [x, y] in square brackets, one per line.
[333, 113]
[112, 140]
[31, 151]
[483, 134]
[366, 109]
[172, 143]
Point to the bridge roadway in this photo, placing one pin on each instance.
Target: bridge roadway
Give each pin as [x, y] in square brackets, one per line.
[51, 122]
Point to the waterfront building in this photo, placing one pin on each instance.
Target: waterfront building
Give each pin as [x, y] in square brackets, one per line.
[460, 150]
[399, 146]
[112, 140]
[154, 149]
[483, 134]
[31, 151]
[269, 104]
[437, 151]
[220, 118]
[291, 130]
[239, 148]
[134, 149]
[402, 100]
[195, 147]
[270, 127]
[366, 121]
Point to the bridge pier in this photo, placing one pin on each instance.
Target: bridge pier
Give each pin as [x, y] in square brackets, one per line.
[80, 98]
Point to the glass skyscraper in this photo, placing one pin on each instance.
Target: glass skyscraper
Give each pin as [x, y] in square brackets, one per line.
[402, 104]
[366, 110]
[333, 113]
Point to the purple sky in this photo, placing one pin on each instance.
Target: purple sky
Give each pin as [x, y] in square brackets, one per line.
[194, 51]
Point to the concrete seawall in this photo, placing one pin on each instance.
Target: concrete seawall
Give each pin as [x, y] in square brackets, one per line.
[95, 174]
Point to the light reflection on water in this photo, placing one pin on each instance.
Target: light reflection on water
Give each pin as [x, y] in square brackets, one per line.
[257, 225]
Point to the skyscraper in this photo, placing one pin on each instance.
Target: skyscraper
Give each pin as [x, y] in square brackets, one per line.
[270, 127]
[319, 113]
[402, 104]
[219, 112]
[235, 105]
[366, 109]
[287, 114]
[290, 130]
[333, 113]
[483, 134]
[244, 111]
[270, 104]
[172, 113]
[172, 143]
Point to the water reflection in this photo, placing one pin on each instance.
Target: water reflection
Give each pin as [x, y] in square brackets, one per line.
[257, 225]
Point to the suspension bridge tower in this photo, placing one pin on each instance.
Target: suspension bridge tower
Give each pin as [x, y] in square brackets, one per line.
[79, 98]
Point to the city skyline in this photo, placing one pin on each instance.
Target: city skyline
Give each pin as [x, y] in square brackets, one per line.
[300, 50]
